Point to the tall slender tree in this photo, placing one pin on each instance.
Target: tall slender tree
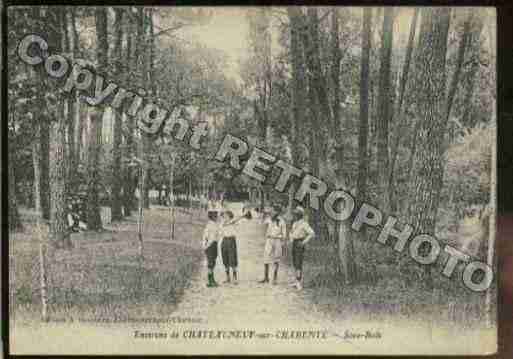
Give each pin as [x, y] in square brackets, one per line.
[462, 49]
[430, 109]
[260, 44]
[145, 45]
[363, 127]
[470, 83]
[318, 80]
[149, 69]
[309, 38]
[72, 103]
[94, 220]
[384, 105]
[58, 174]
[142, 153]
[298, 85]
[41, 143]
[130, 66]
[14, 219]
[400, 113]
[116, 205]
[343, 239]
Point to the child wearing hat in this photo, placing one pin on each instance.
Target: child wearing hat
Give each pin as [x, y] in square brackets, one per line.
[300, 235]
[275, 235]
[209, 241]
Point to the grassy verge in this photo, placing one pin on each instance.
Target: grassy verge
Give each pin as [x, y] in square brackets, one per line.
[387, 286]
[103, 274]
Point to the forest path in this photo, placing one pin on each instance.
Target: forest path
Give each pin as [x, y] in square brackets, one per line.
[278, 313]
[265, 308]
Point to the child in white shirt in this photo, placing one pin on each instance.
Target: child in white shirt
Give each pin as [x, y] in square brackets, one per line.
[229, 246]
[300, 235]
[209, 242]
[274, 240]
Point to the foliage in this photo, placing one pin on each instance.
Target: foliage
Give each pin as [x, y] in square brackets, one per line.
[468, 167]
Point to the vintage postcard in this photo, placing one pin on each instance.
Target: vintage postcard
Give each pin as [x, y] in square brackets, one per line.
[251, 180]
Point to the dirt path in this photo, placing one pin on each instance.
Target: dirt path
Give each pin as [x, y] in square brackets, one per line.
[275, 314]
[249, 303]
[278, 312]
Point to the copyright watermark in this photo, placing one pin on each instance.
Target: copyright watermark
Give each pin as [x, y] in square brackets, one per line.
[337, 204]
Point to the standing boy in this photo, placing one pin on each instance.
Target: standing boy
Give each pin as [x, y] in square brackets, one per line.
[209, 242]
[229, 246]
[300, 235]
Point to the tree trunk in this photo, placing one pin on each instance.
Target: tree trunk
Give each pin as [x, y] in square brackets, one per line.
[172, 199]
[72, 131]
[58, 225]
[151, 84]
[259, 24]
[363, 127]
[40, 153]
[37, 161]
[80, 109]
[80, 120]
[343, 240]
[141, 152]
[314, 106]
[94, 221]
[44, 135]
[298, 86]
[72, 103]
[400, 128]
[140, 218]
[146, 188]
[43, 272]
[116, 211]
[453, 87]
[363, 161]
[345, 246]
[475, 46]
[14, 215]
[409, 164]
[383, 115]
[58, 173]
[130, 67]
[144, 71]
[318, 81]
[37, 153]
[335, 78]
[429, 101]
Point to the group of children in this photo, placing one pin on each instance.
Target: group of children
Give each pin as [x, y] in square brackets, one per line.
[224, 229]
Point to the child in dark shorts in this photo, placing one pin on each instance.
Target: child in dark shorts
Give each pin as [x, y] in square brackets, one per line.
[300, 234]
[209, 242]
[229, 247]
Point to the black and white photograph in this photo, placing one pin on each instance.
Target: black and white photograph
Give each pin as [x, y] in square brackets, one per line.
[214, 180]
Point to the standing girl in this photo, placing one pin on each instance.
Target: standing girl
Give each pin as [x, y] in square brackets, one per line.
[210, 238]
[274, 240]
